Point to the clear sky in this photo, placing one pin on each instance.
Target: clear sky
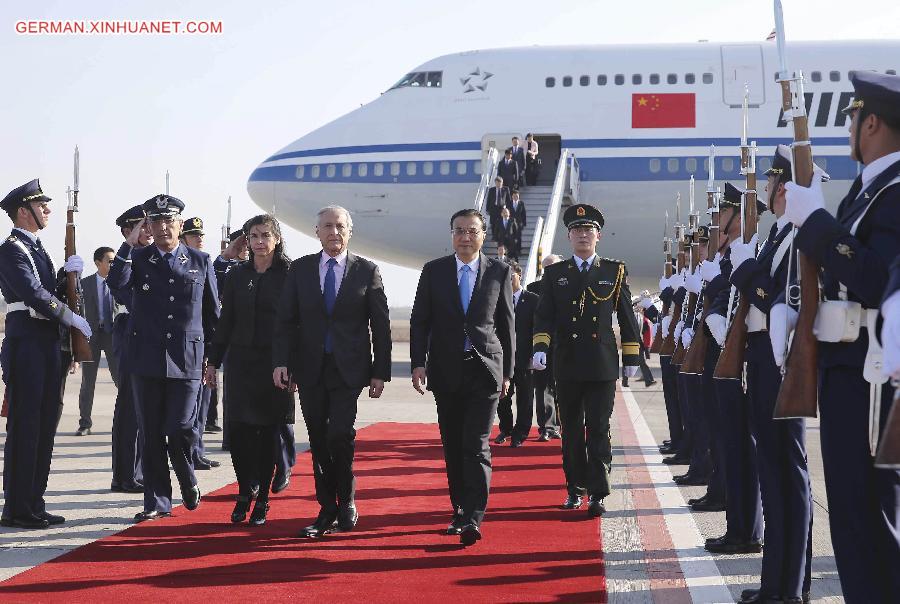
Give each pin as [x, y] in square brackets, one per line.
[210, 108]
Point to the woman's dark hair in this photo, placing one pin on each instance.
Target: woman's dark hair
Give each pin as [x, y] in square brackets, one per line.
[280, 256]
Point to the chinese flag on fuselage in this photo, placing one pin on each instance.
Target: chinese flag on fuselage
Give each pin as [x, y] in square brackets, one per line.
[670, 110]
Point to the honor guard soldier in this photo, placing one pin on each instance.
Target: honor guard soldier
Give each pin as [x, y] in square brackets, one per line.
[574, 315]
[127, 441]
[175, 309]
[30, 357]
[855, 248]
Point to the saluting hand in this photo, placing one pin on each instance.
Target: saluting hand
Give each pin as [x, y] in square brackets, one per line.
[418, 379]
[376, 387]
[134, 237]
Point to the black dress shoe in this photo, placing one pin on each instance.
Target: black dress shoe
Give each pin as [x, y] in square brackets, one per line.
[280, 483]
[650, 383]
[325, 523]
[572, 502]
[52, 518]
[150, 515]
[254, 491]
[82, 432]
[717, 539]
[347, 516]
[676, 460]
[544, 437]
[212, 429]
[708, 505]
[695, 500]
[501, 438]
[191, 497]
[199, 464]
[456, 524]
[134, 487]
[469, 534]
[554, 434]
[667, 441]
[517, 441]
[691, 480]
[258, 516]
[667, 450]
[595, 507]
[733, 546]
[747, 594]
[241, 506]
[25, 522]
[212, 463]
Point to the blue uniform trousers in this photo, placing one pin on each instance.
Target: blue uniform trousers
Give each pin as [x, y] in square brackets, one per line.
[715, 491]
[285, 449]
[32, 370]
[743, 508]
[168, 410]
[127, 441]
[863, 502]
[693, 387]
[203, 400]
[670, 395]
[783, 478]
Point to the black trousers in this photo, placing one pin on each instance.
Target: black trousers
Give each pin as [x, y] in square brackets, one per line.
[522, 388]
[100, 341]
[329, 409]
[670, 394]
[585, 409]
[465, 419]
[253, 456]
[545, 401]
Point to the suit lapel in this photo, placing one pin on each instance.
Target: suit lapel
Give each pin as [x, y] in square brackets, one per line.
[453, 281]
[313, 277]
[482, 266]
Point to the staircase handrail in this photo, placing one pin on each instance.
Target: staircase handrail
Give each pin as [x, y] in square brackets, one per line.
[487, 177]
[534, 253]
[556, 198]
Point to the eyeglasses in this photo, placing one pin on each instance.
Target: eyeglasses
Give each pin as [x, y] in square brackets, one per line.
[471, 232]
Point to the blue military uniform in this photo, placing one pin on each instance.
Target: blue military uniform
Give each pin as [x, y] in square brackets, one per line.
[743, 507]
[670, 389]
[127, 439]
[175, 308]
[30, 358]
[221, 266]
[855, 249]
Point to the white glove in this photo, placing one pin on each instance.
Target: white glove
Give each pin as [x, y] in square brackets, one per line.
[890, 335]
[653, 332]
[667, 320]
[741, 252]
[539, 361]
[677, 280]
[646, 302]
[782, 320]
[803, 201]
[687, 336]
[631, 371]
[678, 328]
[81, 324]
[717, 327]
[664, 283]
[74, 264]
[709, 270]
[693, 283]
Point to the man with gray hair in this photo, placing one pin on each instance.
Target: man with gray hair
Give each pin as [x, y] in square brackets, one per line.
[544, 387]
[322, 344]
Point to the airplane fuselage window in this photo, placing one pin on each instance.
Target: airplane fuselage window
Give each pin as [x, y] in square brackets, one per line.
[362, 170]
[690, 164]
[461, 168]
[316, 170]
[395, 169]
[301, 170]
[427, 168]
[330, 171]
[601, 80]
[619, 79]
[765, 163]
[672, 165]
[816, 76]
[379, 169]
[411, 168]
[834, 76]
[550, 82]
[654, 78]
[567, 81]
[727, 164]
[655, 165]
[584, 80]
[707, 78]
[346, 170]
[445, 168]
[476, 167]
[689, 78]
[636, 79]
[672, 78]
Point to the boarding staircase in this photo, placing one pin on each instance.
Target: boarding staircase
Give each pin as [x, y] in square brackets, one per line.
[543, 207]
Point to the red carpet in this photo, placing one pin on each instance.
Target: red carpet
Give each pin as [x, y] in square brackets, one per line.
[531, 552]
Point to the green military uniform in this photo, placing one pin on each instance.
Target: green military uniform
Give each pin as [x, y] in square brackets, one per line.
[574, 315]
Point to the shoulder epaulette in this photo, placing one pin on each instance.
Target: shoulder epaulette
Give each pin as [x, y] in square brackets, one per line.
[615, 260]
[12, 238]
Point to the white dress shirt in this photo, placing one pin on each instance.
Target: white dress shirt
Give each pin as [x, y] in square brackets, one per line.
[874, 169]
[32, 237]
[338, 270]
[580, 263]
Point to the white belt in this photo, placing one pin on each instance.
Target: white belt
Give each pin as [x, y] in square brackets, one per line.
[756, 320]
[17, 306]
[839, 321]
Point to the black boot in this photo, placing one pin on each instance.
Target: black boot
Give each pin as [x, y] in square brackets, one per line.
[258, 517]
[241, 506]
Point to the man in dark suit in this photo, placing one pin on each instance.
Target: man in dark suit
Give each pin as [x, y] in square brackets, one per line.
[322, 345]
[462, 338]
[524, 305]
[544, 384]
[99, 309]
[508, 169]
[497, 199]
[175, 308]
[518, 155]
[509, 236]
[517, 210]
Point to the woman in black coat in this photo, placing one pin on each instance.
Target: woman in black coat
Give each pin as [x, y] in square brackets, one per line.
[256, 408]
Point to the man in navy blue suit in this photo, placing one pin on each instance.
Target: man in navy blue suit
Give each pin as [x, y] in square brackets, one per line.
[175, 309]
[30, 357]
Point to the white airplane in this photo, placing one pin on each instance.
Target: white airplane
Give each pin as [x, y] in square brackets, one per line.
[639, 120]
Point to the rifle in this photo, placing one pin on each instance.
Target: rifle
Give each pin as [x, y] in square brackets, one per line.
[226, 228]
[694, 259]
[798, 394]
[731, 360]
[668, 344]
[889, 448]
[81, 348]
[695, 359]
[667, 271]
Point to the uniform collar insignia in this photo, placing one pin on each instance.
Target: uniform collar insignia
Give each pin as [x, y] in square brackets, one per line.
[844, 250]
[562, 281]
[866, 195]
[193, 270]
[183, 258]
[153, 259]
[761, 293]
[12, 238]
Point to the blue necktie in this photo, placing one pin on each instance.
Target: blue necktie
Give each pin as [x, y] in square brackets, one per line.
[465, 294]
[330, 296]
[107, 309]
[168, 257]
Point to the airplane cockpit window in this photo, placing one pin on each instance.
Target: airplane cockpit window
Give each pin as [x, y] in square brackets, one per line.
[420, 79]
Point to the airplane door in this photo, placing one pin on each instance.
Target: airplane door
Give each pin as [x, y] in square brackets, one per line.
[742, 64]
[501, 142]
